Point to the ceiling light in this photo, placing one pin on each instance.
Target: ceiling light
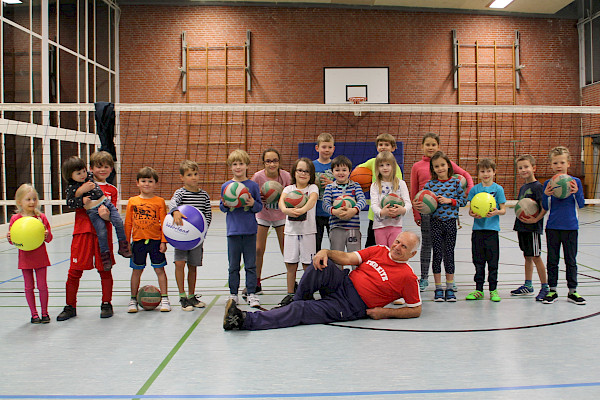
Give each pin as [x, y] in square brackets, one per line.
[12, 1]
[500, 3]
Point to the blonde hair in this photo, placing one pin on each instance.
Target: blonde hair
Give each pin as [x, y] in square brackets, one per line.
[238, 156]
[386, 137]
[187, 165]
[325, 137]
[559, 151]
[100, 158]
[386, 157]
[20, 194]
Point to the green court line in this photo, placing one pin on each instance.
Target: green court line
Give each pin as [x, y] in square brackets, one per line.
[175, 349]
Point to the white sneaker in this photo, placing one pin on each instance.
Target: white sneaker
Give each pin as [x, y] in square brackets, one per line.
[165, 305]
[234, 298]
[399, 302]
[133, 306]
[253, 300]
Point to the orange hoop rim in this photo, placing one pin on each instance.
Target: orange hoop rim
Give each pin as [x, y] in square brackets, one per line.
[357, 100]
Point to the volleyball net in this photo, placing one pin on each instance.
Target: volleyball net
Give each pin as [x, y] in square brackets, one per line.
[36, 139]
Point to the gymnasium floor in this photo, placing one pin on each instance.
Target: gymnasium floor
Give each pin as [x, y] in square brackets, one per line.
[514, 348]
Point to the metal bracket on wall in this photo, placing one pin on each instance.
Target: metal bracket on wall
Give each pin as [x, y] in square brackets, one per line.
[183, 68]
[248, 65]
[455, 65]
[518, 65]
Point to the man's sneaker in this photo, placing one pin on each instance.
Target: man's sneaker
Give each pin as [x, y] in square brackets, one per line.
[133, 306]
[165, 305]
[185, 304]
[576, 299]
[449, 295]
[106, 310]
[543, 293]
[253, 300]
[124, 249]
[286, 300]
[66, 313]
[234, 317]
[494, 296]
[423, 283]
[475, 295]
[438, 295]
[45, 319]
[522, 291]
[550, 298]
[195, 302]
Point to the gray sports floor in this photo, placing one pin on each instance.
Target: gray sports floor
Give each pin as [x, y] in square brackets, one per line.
[511, 349]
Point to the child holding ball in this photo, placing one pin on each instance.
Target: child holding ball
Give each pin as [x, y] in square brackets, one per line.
[36, 260]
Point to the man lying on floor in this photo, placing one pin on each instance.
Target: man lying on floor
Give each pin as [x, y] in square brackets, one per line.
[382, 276]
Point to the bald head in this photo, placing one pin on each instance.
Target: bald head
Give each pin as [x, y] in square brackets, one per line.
[405, 246]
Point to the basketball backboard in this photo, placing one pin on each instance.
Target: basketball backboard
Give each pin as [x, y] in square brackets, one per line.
[342, 83]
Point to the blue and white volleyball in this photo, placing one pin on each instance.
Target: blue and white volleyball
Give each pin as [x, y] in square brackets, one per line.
[189, 235]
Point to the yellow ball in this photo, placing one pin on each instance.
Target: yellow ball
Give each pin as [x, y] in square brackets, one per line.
[482, 203]
[27, 233]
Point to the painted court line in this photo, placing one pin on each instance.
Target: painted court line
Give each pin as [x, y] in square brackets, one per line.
[311, 395]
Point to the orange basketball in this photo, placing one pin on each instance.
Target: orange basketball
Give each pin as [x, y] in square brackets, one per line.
[363, 176]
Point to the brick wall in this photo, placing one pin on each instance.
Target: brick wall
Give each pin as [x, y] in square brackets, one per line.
[290, 47]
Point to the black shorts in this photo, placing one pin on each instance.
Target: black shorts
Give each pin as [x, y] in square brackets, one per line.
[141, 248]
[530, 243]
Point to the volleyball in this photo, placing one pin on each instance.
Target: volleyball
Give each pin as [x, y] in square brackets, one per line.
[148, 297]
[27, 233]
[482, 203]
[189, 235]
[527, 207]
[344, 201]
[429, 200]
[271, 191]
[561, 185]
[363, 176]
[295, 199]
[236, 195]
[462, 180]
[319, 182]
[392, 199]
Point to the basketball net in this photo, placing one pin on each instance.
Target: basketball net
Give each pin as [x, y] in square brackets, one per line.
[357, 100]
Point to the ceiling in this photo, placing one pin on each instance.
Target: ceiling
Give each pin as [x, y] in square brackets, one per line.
[540, 7]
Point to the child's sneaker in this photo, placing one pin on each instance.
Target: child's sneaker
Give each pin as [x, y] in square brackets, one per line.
[233, 297]
[36, 320]
[106, 261]
[576, 299]
[253, 300]
[522, 291]
[454, 288]
[195, 302]
[124, 249]
[475, 295]
[66, 313]
[185, 304]
[45, 319]
[543, 293]
[133, 306]
[257, 291]
[450, 296]
[399, 301]
[423, 283]
[165, 305]
[106, 310]
[494, 296]
[438, 295]
[550, 298]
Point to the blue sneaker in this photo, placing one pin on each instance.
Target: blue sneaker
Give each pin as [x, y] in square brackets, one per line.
[522, 291]
[439, 295]
[543, 293]
[450, 296]
[423, 283]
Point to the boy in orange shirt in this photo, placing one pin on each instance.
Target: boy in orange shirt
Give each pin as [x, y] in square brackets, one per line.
[144, 219]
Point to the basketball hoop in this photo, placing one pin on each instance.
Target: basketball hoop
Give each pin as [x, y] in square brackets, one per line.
[357, 100]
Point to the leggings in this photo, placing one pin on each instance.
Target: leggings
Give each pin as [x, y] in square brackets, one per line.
[40, 276]
[443, 239]
[425, 245]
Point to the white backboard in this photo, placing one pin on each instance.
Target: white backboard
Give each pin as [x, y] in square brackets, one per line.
[343, 83]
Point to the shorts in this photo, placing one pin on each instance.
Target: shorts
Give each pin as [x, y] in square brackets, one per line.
[299, 248]
[530, 243]
[85, 253]
[274, 224]
[141, 248]
[192, 257]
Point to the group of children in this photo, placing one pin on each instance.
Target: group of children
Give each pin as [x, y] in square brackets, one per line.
[300, 229]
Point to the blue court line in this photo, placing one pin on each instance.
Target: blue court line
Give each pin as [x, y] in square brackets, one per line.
[308, 395]
[20, 276]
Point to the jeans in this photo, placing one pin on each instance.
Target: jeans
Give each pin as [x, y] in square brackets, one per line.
[236, 246]
[100, 224]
